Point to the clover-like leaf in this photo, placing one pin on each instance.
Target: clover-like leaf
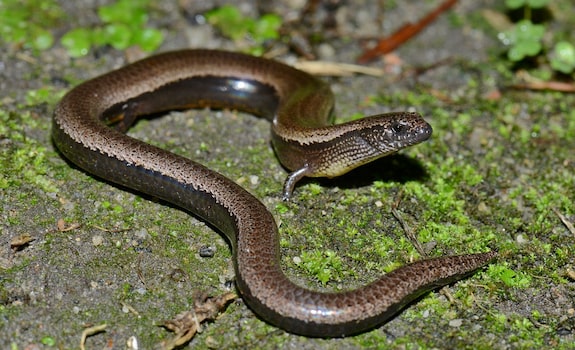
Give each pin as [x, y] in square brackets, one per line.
[148, 39]
[524, 40]
[77, 42]
[230, 21]
[563, 57]
[535, 4]
[514, 4]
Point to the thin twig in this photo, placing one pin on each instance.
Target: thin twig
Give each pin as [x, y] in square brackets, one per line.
[408, 231]
[545, 85]
[89, 332]
[327, 68]
[405, 33]
[564, 220]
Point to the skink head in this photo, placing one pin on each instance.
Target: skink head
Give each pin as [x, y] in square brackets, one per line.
[391, 132]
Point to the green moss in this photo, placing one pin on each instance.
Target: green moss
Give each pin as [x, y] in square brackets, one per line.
[510, 277]
[324, 265]
[23, 160]
[495, 173]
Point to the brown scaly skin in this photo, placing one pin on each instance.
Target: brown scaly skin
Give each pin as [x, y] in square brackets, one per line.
[299, 107]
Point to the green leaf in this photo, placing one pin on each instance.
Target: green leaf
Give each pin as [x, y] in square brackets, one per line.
[530, 48]
[148, 39]
[537, 3]
[226, 13]
[109, 14]
[267, 28]
[524, 39]
[42, 40]
[512, 278]
[130, 13]
[118, 35]
[563, 57]
[48, 340]
[230, 22]
[526, 30]
[514, 4]
[125, 22]
[77, 42]
[26, 23]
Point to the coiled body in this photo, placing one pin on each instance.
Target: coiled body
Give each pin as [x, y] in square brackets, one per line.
[298, 105]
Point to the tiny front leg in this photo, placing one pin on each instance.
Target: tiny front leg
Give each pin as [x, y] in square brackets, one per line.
[121, 117]
[291, 180]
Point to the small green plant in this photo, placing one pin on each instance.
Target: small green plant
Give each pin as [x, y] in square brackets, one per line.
[511, 277]
[232, 24]
[526, 39]
[324, 265]
[515, 4]
[124, 26]
[24, 22]
[28, 23]
[563, 57]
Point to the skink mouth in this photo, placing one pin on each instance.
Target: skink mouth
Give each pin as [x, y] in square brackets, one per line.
[415, 135]
[425, 132]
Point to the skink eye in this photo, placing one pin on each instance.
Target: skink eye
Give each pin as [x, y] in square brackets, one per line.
[398, 128]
